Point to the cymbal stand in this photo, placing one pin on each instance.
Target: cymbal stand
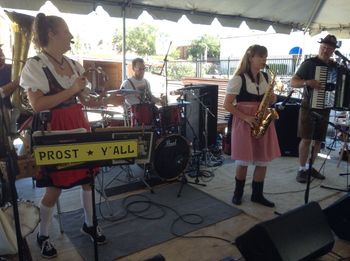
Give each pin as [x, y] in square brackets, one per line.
[126, 116]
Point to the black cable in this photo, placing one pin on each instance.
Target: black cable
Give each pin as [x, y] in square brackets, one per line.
[146, 203]
[340, 258]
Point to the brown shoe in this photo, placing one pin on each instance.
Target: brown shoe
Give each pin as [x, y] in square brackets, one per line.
[302, 176]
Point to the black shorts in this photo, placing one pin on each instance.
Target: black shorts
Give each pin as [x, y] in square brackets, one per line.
[310, 128]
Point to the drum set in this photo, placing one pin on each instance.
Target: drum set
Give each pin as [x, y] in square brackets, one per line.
[172, 151]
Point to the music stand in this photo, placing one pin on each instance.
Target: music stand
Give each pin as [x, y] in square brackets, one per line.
[344, 132]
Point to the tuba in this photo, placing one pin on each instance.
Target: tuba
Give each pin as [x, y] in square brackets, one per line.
[22, 32]
[264, 114]
[21, 28]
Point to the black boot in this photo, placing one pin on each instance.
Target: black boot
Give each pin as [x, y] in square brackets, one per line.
[238, 193]
[257, 195]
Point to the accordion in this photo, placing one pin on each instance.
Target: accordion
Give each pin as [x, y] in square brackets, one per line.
[324, 97]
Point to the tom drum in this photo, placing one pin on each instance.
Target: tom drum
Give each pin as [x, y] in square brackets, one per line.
[170, 116]
[143, 114]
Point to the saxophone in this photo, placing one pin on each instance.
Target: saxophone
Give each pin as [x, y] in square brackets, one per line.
[264, 114]
[22, 31]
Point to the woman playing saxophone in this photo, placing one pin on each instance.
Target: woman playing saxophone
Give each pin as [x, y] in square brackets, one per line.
[244, 94]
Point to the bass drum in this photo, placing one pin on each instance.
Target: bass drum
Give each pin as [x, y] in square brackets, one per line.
[171, 156]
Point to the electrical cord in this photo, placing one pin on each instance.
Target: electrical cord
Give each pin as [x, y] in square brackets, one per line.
[339, 257]
[139, 208]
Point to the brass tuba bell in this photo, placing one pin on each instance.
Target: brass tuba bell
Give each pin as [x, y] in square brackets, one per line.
[22, 33]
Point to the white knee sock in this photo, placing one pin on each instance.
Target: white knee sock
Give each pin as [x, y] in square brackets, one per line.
[86, 201]
[302, 168]
[45, 219]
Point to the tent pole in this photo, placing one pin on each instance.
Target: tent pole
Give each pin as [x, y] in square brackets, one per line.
[123, 47]
[314, 14]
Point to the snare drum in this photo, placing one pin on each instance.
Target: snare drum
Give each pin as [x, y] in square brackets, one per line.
[171, 156]
[143, 114]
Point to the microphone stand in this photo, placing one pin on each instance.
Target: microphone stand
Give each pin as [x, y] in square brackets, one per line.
[307, 190]
[165, 68]
[12, 169]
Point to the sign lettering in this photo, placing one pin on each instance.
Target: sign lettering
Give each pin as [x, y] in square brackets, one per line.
[82, 152]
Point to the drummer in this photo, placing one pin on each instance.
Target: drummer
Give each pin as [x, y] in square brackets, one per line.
[138, 83]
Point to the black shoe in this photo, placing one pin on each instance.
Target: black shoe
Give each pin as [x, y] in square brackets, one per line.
[47, 248]
[302, 176]
[101, 239]
[263, 201]
[317, 175]
[236, 200]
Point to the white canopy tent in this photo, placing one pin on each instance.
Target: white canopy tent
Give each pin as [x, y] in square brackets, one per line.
[312, 16]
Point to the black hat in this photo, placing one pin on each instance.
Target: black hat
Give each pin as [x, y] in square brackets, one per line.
[330, 40]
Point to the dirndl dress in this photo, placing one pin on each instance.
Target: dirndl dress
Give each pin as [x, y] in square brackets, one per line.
[66, 116]
[246, 148]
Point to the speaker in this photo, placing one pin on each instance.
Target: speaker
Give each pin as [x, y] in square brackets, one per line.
[201, 97]
[300, 234]
[338, 217]
[287, 129]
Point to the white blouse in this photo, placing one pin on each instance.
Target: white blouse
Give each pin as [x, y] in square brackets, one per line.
[33, 76]
[235, 84]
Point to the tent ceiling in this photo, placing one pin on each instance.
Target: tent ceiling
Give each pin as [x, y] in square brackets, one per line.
[284, 15]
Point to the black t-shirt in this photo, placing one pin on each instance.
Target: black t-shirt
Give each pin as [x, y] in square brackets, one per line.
[306, 71]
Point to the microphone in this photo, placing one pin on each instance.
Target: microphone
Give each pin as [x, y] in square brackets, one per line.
[342, 56]
[316, 115]
[281, 105]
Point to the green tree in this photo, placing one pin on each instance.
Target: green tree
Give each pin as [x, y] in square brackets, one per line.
[140, 39]
[206, 46]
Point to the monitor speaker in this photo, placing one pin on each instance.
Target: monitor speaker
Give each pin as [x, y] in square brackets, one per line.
[202, 97]
[338, 217]
[300, 234]
[287, 129]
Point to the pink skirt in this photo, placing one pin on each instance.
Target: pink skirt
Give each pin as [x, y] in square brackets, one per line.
[244, 147]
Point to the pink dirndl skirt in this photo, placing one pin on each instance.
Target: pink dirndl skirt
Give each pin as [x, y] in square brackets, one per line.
[244, 147]
[66, 118]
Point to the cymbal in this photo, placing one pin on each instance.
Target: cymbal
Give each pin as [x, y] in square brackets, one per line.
[102, 111]
[179, 103]
[124, 91]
